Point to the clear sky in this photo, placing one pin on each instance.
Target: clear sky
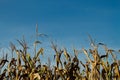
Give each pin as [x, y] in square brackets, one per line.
[66, 21]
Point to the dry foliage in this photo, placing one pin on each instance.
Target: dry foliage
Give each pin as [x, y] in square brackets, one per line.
[25, 67]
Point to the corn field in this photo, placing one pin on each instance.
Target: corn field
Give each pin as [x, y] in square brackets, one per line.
[95, 66]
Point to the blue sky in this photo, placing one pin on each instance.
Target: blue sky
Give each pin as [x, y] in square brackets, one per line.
[66, 21]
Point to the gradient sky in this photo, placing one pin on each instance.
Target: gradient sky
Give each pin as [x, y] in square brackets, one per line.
[66, 21]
